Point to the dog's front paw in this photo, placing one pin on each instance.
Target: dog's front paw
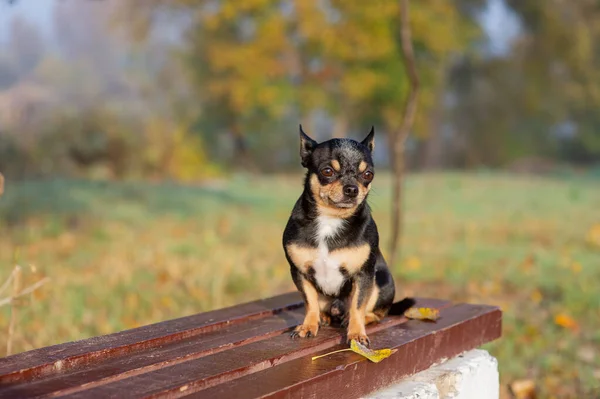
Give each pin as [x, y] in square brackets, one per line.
[359, 337]
[305, 331]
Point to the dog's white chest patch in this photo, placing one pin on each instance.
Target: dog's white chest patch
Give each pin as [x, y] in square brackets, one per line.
[327, 268]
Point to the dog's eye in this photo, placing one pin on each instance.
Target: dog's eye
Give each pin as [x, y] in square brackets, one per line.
[327, 172]
[368, 176]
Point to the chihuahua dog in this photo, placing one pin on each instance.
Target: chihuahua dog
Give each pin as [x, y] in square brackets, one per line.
[332, 244]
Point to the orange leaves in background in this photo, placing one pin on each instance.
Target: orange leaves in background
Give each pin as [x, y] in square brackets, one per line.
[413, 263]
[576, 267]
[593, 235]
[523, 389]
[566, 321]
[528, 263]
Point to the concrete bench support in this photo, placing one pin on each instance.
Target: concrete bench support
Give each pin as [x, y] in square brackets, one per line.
[471, 375]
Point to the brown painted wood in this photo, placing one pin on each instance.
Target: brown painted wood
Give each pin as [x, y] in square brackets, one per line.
[121, 367]
[348, 375]
[243, 351]
[58, 358]
[234, 363]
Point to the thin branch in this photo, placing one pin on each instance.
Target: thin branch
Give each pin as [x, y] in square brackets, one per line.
[13, 310]
[26, 291]
[409, 60]
[410, 111]
[7, 282]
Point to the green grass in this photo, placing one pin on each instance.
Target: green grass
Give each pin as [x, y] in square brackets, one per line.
[122, 255]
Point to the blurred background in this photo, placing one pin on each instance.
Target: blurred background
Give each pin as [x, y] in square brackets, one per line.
[150, 152]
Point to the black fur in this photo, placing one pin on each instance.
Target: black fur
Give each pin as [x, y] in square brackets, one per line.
[359, 227]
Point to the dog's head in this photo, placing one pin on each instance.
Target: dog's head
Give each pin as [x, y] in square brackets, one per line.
[340, 172]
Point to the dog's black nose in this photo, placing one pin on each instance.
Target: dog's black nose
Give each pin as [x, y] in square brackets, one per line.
[351, 191]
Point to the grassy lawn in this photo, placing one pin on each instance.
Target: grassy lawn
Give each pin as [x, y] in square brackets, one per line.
[122, 255]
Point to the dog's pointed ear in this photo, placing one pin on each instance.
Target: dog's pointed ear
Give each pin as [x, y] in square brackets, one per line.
[307, 145]
[369, 141]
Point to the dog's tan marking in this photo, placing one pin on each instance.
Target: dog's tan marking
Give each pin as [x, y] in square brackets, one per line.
[342, 213]
[303, 257]
[352, 258]
[356, 315]
[315, 188]
[362, 166]
[323, 195]
[370, 315]
[372, 301]
[324, 319]
[334, 191]
[375, 317]
[363, 191]
[336, 165]
[371, 318]
[310, 326]
[324, 303]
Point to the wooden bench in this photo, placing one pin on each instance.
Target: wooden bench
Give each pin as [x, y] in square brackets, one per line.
[244, 351]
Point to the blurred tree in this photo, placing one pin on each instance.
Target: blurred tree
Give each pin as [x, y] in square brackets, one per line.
[234, 58]
[92, 104]
[540, 98]
[250, 69]
[256, 62]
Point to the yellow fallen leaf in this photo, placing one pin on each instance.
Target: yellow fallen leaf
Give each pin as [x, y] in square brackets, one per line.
[373, 355]
[422, 314]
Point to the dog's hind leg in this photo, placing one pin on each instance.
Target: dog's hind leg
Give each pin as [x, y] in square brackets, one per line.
[382, 295]
[325, 317]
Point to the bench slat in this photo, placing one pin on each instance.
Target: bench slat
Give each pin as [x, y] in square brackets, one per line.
[234, 363]
[34, 364]
[348, 375]
[120, 367]
[243, 351]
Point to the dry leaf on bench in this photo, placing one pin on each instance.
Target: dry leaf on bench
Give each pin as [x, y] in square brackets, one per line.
[373, 355]
[422, 314]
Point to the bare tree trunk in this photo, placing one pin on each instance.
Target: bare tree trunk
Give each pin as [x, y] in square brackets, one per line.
[241, 153]
[400, 137]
